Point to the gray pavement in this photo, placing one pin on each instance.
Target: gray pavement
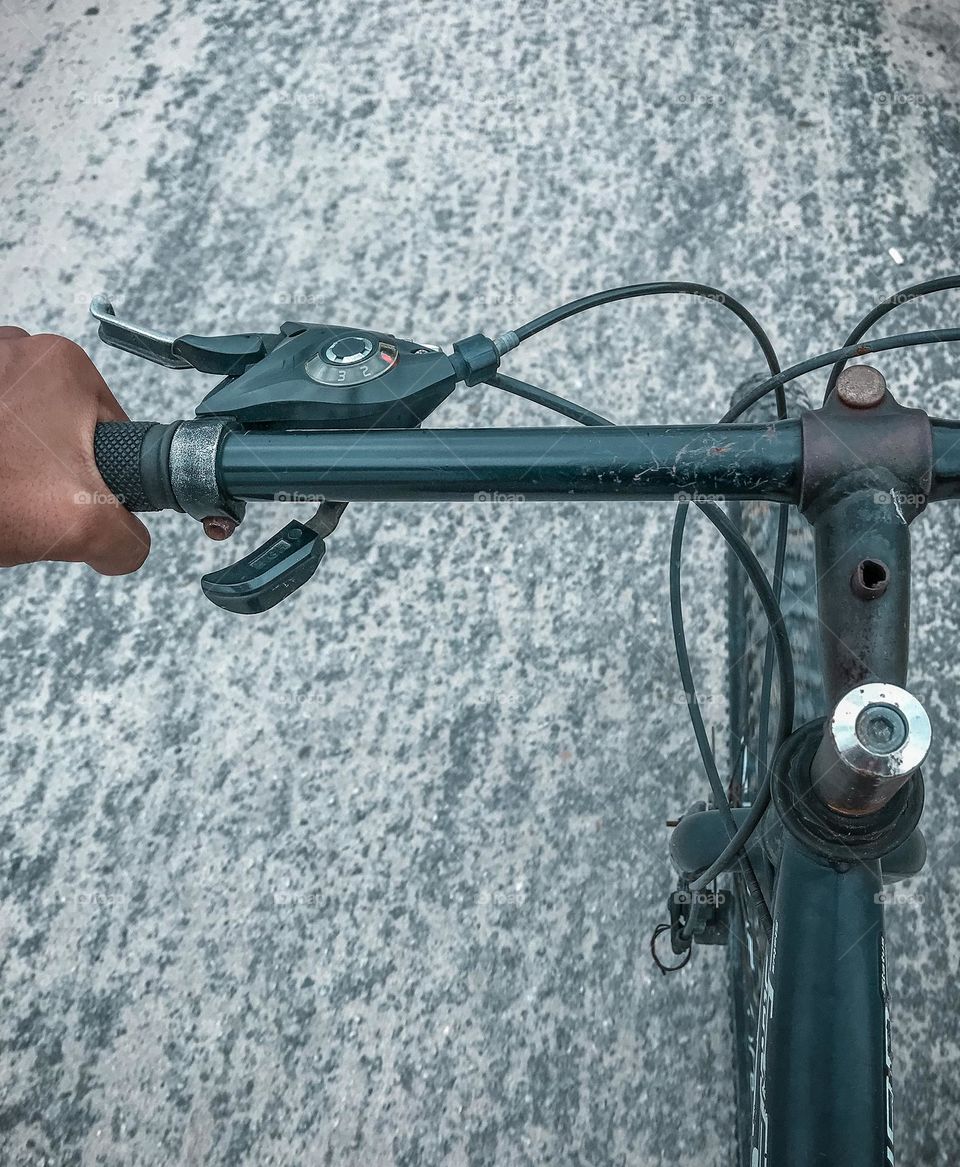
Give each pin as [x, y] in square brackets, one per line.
[370, 880]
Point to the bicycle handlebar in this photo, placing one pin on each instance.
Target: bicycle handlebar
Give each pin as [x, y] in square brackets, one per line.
[144, 466]
[133, 460]
[211, 468]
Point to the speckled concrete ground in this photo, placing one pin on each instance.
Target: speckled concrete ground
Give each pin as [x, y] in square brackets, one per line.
[370, 879]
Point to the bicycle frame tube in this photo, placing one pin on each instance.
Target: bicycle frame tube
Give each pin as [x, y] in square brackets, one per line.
[823, 1083]
[823, 1087]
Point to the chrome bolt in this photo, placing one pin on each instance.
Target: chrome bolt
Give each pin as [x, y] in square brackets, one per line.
[877, 738]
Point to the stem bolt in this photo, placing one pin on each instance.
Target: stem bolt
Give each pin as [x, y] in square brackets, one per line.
[861, 386]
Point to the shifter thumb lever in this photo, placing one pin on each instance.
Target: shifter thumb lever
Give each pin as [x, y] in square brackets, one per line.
[284, 563]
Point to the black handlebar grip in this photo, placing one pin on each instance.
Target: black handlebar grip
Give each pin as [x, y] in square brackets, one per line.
[133, 458]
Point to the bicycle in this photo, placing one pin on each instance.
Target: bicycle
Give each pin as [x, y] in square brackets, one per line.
[786, 863]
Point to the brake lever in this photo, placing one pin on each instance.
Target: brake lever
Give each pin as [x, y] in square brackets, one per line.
[225, 356]
[284, 563]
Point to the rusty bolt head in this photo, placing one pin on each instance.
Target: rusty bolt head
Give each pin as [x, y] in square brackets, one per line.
[218, 528]
[861, 386]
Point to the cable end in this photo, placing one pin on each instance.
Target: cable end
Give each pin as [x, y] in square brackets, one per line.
[506, 342]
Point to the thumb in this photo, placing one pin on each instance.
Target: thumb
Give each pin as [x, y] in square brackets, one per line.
[121, 543]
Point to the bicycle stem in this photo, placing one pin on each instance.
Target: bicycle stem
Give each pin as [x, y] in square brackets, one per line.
[868, 472]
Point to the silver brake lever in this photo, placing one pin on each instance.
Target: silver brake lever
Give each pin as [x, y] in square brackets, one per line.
[142, 342]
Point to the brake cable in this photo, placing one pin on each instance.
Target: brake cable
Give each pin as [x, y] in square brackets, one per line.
[549, 400]
[904, 296]
[511, 340]
[862, 349]
[633, 291]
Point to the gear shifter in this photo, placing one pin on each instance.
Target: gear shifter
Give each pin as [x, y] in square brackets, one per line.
[305, 376]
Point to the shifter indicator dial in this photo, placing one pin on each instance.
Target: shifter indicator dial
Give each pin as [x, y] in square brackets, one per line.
[351, 360]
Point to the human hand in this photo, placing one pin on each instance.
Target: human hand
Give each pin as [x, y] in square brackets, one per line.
[53, 502]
